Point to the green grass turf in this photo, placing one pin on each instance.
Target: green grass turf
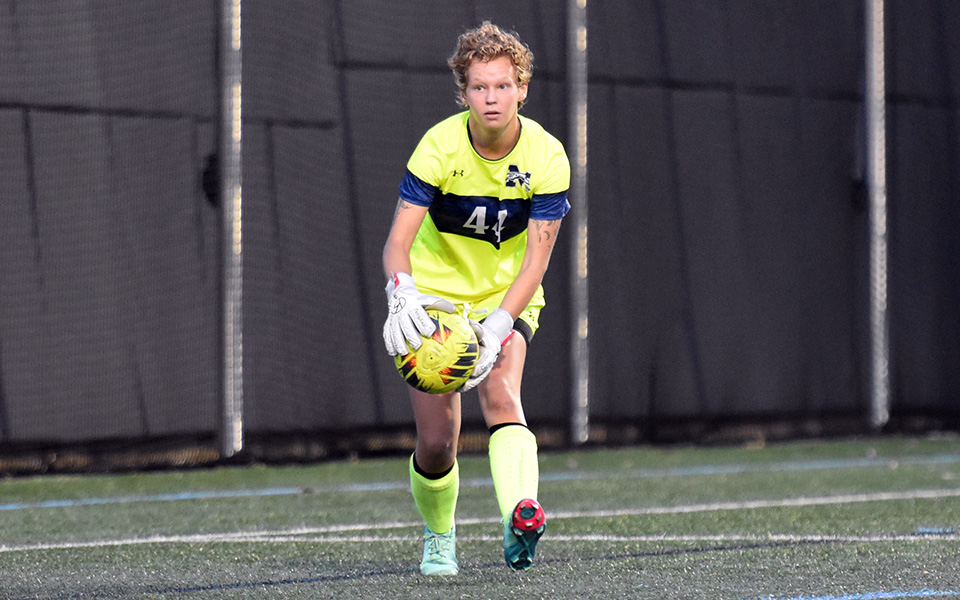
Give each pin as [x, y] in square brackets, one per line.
[623, 523]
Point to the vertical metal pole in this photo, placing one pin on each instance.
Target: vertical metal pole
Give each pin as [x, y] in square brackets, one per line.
[230, 137]
[875, 103]
[580, 350]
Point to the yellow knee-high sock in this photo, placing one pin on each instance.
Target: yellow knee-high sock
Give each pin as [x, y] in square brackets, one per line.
[513, 465]
[436, 498]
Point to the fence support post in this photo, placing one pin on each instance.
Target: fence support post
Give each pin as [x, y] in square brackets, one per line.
[577, 82]
[875, 103]
[231, 260]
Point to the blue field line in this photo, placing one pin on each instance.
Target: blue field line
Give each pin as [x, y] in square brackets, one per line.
[878, 595]
[777, 467]
[699, 470]
[219, 494]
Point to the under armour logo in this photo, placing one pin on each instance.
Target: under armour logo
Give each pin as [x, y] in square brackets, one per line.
[515, 177]
[457, 173]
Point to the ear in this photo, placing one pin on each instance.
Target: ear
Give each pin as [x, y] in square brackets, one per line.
[523, 91]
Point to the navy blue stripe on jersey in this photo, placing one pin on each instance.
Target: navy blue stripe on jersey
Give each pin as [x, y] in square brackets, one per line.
[480, 217]
[549, 207]
[417, 191]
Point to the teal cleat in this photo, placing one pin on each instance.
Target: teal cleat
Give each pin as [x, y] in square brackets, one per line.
[439, 553]
[521, 533]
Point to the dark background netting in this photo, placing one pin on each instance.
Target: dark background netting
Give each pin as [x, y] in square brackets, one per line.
[728, 226]
[107, 247]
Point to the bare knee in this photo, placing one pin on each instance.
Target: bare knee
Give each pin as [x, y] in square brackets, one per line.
[501, 400]
[436, 452]
[438, 428]
[501, 403]
[500, 391]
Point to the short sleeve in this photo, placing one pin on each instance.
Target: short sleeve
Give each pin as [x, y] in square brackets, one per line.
[550, 200]
[416, 191]
[549, 207]
[426, 162]
[556, 176]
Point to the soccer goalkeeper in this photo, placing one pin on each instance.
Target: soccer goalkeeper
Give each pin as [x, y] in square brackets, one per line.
[477, 219]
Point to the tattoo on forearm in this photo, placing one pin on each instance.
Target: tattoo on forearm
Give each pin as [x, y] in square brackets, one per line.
[401, 205]
[547, 231]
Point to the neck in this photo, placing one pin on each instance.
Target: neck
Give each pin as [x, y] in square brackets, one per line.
[494, 144]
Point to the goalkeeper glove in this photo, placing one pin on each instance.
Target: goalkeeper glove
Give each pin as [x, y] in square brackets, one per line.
[492, 333]
[407, 318]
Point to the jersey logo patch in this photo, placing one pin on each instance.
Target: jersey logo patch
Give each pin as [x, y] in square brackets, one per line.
[516, 177]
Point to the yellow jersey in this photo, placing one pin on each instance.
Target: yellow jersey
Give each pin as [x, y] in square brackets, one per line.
[472, 241]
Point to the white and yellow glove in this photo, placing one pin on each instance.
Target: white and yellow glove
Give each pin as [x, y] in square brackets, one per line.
[407, 318]
[492, 333]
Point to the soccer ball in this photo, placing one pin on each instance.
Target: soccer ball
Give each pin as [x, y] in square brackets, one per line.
[445, 360]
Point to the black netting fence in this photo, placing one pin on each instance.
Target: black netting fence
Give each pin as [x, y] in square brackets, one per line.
[728, 227]
[108, 251]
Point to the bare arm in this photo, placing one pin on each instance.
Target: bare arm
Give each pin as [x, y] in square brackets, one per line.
[406, 223]
[541, 238]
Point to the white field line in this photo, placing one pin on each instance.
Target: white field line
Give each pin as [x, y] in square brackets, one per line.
[702, 470]
[286, 538]
[329, 533]
[781, 503]
[773, 537]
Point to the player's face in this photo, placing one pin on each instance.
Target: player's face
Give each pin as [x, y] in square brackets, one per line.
[492, 93]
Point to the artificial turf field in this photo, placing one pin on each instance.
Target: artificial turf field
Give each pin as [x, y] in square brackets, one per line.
[858, 519]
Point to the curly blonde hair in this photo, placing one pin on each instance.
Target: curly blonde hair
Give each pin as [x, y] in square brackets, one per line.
[486, 43]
